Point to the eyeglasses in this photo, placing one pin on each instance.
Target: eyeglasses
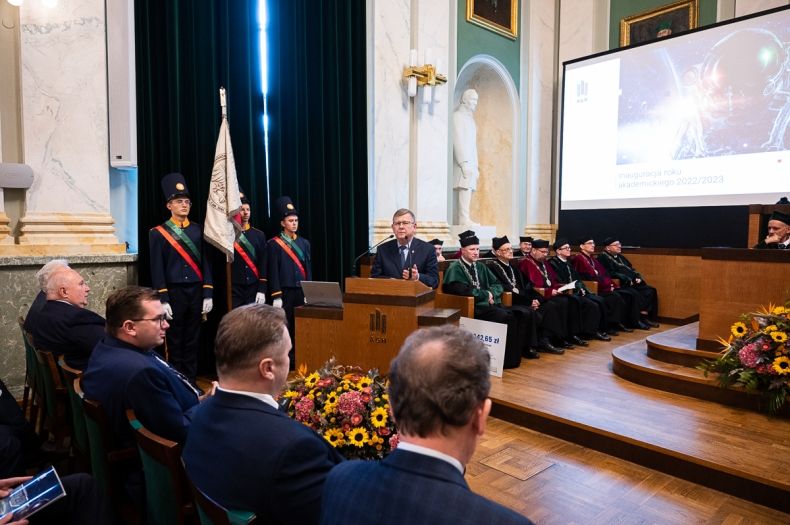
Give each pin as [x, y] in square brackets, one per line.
[402, 223]
[161, 318]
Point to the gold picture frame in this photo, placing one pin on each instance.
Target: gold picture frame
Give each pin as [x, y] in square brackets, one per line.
[499, 16]
[643, 27]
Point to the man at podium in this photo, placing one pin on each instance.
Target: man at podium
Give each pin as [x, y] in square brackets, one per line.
[406, 257]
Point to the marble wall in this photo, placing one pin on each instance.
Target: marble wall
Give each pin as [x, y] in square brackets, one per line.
[18, 281]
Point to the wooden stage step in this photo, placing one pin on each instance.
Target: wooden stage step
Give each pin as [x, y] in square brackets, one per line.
[577, 397]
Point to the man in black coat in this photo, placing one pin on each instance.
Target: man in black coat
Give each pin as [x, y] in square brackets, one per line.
[248, 270]
[621, 268]
[406, 257]
[778, 237]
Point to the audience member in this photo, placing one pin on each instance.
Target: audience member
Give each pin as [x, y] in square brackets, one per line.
[242, 451]
[439, 385]
[248, 270]
[469, 278]
[41, 298]
[64, 326]
[125, 372]
[619, 267]
[778, 237]
[437, 246]
[406, 257]
[19, 443]
[524, 246]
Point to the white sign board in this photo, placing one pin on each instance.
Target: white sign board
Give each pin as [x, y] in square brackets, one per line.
[493, 335]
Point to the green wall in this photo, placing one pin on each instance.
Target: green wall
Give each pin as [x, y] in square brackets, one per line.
[474, 40]
[619, 9]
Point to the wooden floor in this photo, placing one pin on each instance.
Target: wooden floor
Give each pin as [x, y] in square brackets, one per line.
[576, 396]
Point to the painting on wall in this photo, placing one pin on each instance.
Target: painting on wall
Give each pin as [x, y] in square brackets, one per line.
[660, 22]
[499, 16]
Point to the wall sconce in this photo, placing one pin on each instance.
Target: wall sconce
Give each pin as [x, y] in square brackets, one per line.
[422, 76]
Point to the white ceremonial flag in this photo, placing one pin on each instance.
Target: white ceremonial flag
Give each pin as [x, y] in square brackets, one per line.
[222, 225]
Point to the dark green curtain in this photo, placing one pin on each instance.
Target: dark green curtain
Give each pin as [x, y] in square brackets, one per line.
[317, 125]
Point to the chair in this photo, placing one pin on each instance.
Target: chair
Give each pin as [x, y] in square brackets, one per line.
[108, 460]
[79, 438]
[31, 399]
[212, 513]
[55, 397]
[167, 497]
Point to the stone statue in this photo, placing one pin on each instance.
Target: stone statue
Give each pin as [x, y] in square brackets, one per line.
[465, 169]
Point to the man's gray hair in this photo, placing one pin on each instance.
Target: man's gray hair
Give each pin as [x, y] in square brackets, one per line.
[47, 270]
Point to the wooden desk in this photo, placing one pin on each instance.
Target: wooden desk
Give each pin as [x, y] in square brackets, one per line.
[368, 331]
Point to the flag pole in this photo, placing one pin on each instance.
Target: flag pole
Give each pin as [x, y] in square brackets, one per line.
[228, 269]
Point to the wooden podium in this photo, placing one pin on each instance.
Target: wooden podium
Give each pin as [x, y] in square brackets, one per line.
[376, 317]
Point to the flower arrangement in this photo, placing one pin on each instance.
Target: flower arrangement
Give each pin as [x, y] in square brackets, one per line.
[757, 355]
[349, 408]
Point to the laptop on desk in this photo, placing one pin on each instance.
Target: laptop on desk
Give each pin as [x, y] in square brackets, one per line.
[322, 293]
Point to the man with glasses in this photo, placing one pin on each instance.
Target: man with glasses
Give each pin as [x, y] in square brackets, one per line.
[621, 268]
[180, 272]
[125, 372]
[406, 257]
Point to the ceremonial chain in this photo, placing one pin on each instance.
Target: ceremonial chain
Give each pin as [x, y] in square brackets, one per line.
[475, 282]
[512, 278]
[542, 269]
[591, 263]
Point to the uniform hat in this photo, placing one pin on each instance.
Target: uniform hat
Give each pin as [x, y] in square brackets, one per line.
[781, 217]
[243, 196]
[525, 239]
[174, 185]
[562, 241]
[498, 242]
[610, 240]
[468, 238]
[284, 207]
[583, 240]
[540, 243]
[436, 242]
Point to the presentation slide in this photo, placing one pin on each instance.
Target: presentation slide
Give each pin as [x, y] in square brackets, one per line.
[695, 120]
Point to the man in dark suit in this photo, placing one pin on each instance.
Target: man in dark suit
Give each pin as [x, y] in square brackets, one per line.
[125, 372]
[778, 237]
[40, 300]
[64, 326]
[619, 267]
[242, 451]
[439, 385]
[406, 257]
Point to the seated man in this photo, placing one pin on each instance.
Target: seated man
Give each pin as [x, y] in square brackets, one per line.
[242, 451]
[524, 246]
[125, 372]
[470, 278]
[19, 443]
[439, 385]
[437, 245]
[778, 237]
[618, 299]
[41, 299]
[64, 326]
[406, 257]
[551, 317]
[621, 268]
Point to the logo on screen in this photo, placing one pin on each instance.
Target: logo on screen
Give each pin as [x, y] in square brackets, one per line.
[581, 91]
[378, 327]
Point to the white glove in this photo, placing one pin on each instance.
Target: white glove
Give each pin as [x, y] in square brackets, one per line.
[168, 311]
[277, 303]
[260, 298]
[208, 304]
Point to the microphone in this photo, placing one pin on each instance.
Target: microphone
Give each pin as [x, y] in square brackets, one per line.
[361, 255]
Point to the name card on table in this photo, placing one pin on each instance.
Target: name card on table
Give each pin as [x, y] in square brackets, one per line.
[493, 335]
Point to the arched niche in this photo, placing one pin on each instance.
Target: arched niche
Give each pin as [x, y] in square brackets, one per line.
[494, 203]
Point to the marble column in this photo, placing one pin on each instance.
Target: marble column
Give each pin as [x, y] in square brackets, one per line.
[65, 137]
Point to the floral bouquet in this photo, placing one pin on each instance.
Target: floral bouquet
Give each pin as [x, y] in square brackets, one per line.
[348, 407]
[757, 355]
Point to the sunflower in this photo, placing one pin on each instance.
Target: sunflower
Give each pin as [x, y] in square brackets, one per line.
[357, 436]
[364, 382]
[334, 436]
[331, 397]
[329, 408]
[770, 328]
[782, 365]
[738, 329]
[379, 417]
[311, 380]
[779, 310]
[290, 394]
[779, 337]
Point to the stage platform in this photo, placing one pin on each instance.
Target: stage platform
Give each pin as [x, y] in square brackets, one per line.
[579, 397]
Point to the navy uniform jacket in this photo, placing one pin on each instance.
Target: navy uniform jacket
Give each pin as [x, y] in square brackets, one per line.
[407, 487]
[121, 376]
[67, 330]
[169, 268]
[240, 270]
[388, 261]
[282, 271]
[246, 455]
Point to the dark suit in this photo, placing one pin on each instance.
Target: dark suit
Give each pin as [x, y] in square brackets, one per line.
[67, 330]
[407, 487]
[246, 455]
[35, 308]
[388, 262]
[122, 376]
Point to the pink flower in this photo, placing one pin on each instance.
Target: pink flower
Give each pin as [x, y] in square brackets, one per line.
[356, 419]
[365, 397]
[748, 355]
[383, 431]
[394, 440]
[303, 409]
[350, 403]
